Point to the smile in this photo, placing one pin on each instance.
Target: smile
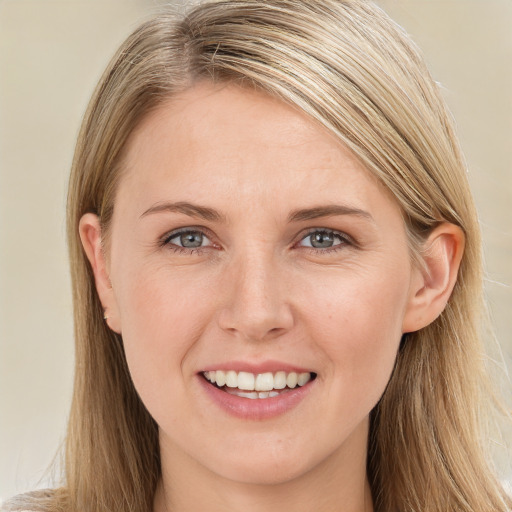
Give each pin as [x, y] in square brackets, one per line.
[257, 386]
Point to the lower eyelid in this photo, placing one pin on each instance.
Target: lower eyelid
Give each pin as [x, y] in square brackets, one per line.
[183, 250]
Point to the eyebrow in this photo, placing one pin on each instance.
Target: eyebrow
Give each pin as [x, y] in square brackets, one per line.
[192, 210]
[327, 211]
[210, 214]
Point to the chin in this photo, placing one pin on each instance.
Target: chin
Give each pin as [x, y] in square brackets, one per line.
[270, 473]
[271, 464]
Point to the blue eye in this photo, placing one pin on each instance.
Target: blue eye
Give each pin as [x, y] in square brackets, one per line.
[189, 239]
[322, 239]
[194, 241]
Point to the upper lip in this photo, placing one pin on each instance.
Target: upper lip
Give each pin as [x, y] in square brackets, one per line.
[256, 367]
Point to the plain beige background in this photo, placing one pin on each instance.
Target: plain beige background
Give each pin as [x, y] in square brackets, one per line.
[51, 55]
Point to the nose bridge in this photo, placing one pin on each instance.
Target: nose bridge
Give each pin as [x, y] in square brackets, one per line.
[257, 306]
[258, 282]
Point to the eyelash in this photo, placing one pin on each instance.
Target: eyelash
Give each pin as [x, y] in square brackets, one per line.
[343, 238]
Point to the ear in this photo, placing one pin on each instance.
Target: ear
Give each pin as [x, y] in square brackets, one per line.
[90, 235]
[432, 286]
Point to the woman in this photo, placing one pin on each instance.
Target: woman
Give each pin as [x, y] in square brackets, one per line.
[277, 274]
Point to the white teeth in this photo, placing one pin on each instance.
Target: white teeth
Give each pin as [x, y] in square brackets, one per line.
[220, 378]
[280, 380]
[291, 380]
[243, 394]
[262, 383]
[303, 378]
[245, 381]
[231, 379]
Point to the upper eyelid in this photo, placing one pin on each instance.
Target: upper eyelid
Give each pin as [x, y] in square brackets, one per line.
[308, 231]
[341, 234]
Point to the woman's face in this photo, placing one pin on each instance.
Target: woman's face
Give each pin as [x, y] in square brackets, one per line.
[246, 239]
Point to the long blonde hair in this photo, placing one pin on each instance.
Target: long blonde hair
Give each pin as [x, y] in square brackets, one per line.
[350, 68]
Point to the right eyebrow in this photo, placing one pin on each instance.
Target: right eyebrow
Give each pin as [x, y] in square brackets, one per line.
[192, 210]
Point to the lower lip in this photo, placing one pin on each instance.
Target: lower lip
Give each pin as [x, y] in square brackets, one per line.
[257, 408]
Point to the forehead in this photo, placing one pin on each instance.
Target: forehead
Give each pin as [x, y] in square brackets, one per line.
[217, 117]
[223, 139]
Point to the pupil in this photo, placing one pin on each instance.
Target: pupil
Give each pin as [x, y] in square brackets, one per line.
[322, 240]
[191, 240]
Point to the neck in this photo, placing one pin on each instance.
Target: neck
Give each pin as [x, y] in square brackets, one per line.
[336, 483]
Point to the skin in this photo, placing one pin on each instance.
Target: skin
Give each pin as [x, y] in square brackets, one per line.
[258, 291]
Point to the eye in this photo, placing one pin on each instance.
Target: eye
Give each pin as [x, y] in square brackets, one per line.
[324, 240]
[187, 240]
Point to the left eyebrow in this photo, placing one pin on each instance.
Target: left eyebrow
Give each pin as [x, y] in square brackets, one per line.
[327, 211]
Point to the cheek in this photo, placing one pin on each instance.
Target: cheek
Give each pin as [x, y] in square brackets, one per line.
[159, 307]
[162, 317]
[357, 325]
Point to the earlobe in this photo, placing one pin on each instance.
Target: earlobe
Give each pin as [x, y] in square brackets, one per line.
[90, 235]
[432, 286]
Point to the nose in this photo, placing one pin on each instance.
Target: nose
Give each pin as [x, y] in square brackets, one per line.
[256, 307]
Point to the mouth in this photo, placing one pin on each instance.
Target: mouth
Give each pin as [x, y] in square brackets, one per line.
[257, 386]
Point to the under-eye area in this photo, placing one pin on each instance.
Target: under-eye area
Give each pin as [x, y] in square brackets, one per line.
[261, 385]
